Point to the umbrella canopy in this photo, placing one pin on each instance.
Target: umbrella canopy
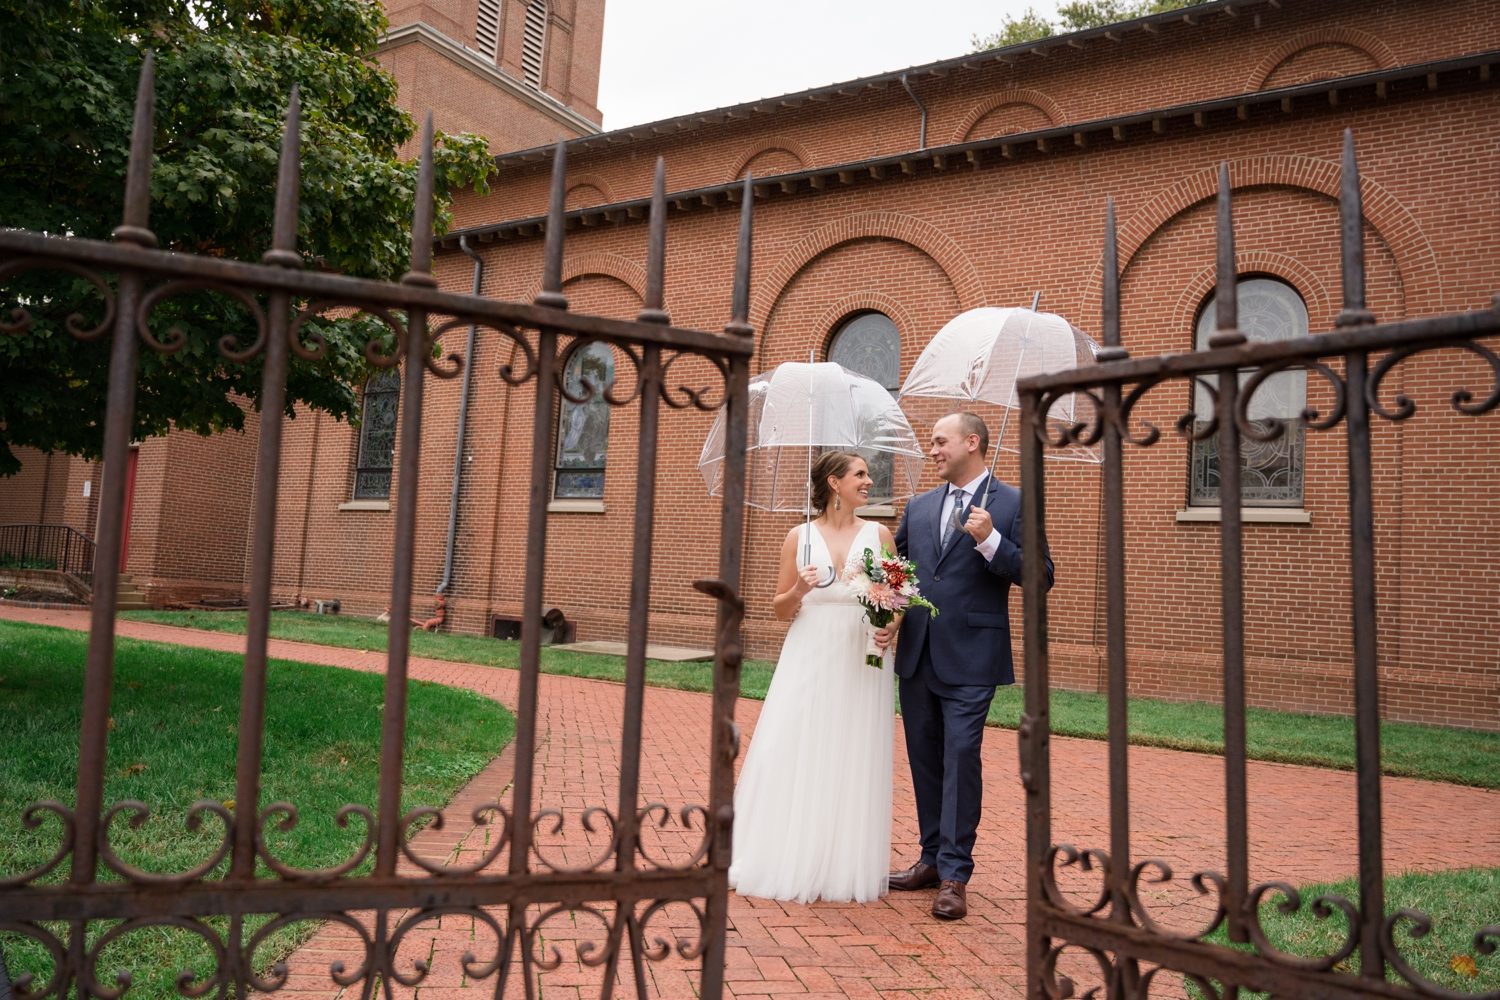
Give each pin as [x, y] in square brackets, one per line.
[980, 355]
[800, 410]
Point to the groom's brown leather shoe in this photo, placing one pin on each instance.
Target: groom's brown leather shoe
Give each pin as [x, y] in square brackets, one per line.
[952, 901]
[918, 876]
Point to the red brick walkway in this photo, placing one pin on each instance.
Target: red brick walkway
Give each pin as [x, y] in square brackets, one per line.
[1302, 829]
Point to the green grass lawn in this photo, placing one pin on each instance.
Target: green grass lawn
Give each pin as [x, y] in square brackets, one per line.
[173, 740]
[1460, 756]
[1459, 902]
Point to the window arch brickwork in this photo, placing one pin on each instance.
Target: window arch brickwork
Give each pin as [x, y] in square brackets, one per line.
[1351, 37]
[1033, 98]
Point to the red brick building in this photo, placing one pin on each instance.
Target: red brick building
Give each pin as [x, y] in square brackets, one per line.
[900, 201]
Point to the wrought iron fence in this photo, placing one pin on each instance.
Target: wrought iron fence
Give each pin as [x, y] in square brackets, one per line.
[513, 889]
[48, 546]
[1118, 930]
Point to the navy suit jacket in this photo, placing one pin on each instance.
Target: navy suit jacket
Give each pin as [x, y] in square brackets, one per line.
[969, 639]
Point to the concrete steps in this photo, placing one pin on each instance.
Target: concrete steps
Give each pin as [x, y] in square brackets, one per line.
[128, 598]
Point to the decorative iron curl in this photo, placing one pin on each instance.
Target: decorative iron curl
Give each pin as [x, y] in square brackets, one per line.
[685, 817]
[480, 817]
[31, 819]
[662, 948]
[1291, 902]
[89, 977]
[456, 361]
[288, 812]
[59, 951]
[1085, 433]
[1085, 860]
[1486, 940]
[1187, 420]
[587, 821]
[468, 961]
[280, 970]
[1275, 426]
[1059, 987]
[1405, 407]
[1200, 882]
[589, 953]
[320, 348]
[590, 390]
[176, 339]
[22, 319]
[693, 398]
[1127, 406]
[140, 813]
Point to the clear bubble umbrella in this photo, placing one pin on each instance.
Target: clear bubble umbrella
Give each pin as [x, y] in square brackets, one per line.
[797, 412]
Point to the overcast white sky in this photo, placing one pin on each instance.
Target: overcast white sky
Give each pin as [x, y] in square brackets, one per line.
[664, 58]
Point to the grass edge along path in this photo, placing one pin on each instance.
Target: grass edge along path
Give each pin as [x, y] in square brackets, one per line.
[173, 740]
[1409, 750]
[1458, 901]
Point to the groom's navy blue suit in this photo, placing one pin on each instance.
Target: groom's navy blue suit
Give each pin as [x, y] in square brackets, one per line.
[949, 665]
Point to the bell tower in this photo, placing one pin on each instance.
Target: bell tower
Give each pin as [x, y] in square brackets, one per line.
[519, 72]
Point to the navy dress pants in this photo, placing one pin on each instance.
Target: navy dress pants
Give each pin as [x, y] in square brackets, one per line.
[944, 726]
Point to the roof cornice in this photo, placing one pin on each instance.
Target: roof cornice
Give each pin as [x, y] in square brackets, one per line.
[1011, 54]
[1049, 140]
[419, 32]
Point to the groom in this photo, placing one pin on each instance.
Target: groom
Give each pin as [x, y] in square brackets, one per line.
[949, 664]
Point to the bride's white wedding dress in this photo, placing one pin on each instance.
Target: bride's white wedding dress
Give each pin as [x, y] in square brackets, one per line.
[812, 811]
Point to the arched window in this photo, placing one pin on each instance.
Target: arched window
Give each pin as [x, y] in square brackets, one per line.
[1270, 471]
[870, 344]
[534, 38]
[377, 437]
[583, 433]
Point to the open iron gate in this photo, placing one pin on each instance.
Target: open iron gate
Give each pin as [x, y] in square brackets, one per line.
[513, 888]
[1117, 930]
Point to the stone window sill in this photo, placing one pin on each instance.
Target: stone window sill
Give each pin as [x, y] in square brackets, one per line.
[576, 507]
[366, 505]
[1248, 515]
[876, 510]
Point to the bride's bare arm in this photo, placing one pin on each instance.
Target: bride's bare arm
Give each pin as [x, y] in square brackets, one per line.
[792, 584]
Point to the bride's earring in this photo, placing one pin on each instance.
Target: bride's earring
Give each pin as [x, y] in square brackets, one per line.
[838, 503]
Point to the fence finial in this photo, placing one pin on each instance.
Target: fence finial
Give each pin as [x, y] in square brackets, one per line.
[133, 228]
[739, 312]
[656, 251]
[551, 293]
[1352, 240]
[1226, 298]
[283, 250]
[421, 217]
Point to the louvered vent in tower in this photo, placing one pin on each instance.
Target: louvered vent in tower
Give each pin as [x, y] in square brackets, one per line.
[487, 29]
[531, 49]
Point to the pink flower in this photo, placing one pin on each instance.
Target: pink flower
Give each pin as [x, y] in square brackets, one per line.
[882, 595]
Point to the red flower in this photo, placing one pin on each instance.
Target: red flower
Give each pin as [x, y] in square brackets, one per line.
[895, 573]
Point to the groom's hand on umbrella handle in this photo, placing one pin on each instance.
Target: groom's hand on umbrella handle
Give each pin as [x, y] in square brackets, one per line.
[979, 524]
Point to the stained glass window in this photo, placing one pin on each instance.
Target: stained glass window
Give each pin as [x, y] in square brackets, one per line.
[377, 437]
[870, 344]
[583, 434]
[1270, 471]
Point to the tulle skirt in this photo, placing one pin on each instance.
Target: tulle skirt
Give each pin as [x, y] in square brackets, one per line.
[812, 811]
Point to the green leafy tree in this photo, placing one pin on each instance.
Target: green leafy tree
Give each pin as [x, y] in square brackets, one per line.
[224, 71]
[1076, 16]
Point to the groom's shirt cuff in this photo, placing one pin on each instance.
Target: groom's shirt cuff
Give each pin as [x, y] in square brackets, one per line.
[989, 546]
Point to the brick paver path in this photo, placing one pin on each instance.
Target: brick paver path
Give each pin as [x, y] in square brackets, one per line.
[1302, 830]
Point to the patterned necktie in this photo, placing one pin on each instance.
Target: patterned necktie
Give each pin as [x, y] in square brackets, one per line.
[957, 512]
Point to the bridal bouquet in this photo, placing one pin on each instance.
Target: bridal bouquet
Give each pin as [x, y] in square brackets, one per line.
[886, 586]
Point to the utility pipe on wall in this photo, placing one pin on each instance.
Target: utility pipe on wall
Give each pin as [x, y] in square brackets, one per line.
[922, 140]
[463, 419]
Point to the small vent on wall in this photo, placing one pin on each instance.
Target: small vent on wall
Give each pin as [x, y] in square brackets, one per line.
[487, 30]
[531, 50]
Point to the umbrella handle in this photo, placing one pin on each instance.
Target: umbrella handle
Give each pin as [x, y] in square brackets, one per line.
[807, 561]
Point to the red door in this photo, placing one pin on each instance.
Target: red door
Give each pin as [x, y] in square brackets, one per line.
[129, 506]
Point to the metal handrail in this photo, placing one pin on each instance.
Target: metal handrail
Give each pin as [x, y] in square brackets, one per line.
[57, 547]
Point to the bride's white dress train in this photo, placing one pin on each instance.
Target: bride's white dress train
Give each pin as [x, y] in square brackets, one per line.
[812, 811]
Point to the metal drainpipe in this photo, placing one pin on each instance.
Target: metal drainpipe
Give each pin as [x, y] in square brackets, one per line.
[463, 419]
[922, 142]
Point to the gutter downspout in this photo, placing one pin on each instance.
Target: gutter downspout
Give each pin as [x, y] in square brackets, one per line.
[922, 142]
[463, 419]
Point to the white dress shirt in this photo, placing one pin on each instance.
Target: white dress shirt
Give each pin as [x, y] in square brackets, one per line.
[970, 491]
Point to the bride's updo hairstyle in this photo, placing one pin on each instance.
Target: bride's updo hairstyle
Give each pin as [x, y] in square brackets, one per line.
[829, 465]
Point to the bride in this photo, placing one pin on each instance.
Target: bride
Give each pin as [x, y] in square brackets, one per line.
[812, 812]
